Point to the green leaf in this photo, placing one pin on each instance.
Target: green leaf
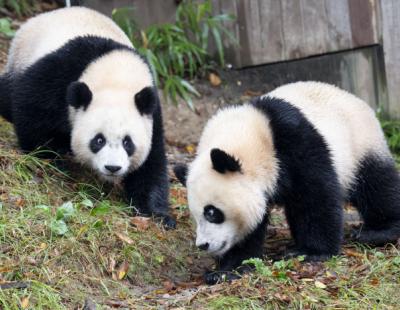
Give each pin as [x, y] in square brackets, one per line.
[44, 208]
[5, 27]
[58, 227]
[261, 268]
[65, 211]
[103, 208]
[87, 203]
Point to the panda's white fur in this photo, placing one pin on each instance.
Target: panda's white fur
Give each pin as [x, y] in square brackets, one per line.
[47, 32]
[112, 100]
[347, 124]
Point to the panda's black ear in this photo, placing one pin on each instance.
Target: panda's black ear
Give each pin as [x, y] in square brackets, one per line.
[78, 95]
[180, 172]
[223, 162]
[146, 100]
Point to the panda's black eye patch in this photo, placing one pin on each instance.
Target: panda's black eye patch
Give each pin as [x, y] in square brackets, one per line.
[97, 143]
[213, 214]
[128, 145]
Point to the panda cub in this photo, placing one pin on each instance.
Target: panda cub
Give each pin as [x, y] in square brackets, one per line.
[307, 146]
[74, 83]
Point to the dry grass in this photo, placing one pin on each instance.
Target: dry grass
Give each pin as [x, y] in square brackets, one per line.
[117, 260]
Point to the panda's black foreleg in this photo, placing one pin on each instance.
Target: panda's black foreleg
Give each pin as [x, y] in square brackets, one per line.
[147, 188]
[230, 266]
[314, 212]
[376, 195]
[149, 197]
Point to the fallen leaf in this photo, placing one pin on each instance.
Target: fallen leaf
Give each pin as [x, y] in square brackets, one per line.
[352, 253]
[319, 284]
[142, 223]
[25, 303]
[169, 286]
[43, 246]
[191, 149]
[214, 79]
[111, 264]
[20, 203]
[374, 281]
[252, 93]
[282, 297]
[124, 238]
[122, 270]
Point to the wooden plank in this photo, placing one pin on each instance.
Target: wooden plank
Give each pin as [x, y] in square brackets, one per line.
[271, 32]
[391, 46]
[339, 28]
[363, 22]
[315, 29]
[232, 50]
[292, 29]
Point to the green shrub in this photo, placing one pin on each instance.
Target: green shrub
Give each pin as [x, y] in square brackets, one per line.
[179, 51]
[392, 133]
[20, 7]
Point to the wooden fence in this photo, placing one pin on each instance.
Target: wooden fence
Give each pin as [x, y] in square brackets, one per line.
[271, 31]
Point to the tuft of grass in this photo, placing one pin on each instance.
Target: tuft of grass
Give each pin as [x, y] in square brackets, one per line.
[391, 128]
[177, 52]
[20, 7]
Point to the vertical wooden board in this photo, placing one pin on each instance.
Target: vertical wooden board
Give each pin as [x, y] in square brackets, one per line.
[292, 29]
[245, 40]
[339, 28]
[232, 50]
[252, 30]
[315, 28]
[271, 33]
[363, 23]
[391, 47]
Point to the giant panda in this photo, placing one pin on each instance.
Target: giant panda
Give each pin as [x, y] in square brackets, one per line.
[74, 83]
[307, 146]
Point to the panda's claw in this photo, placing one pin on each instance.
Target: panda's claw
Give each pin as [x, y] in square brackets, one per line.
[168, 222]
[214, 277]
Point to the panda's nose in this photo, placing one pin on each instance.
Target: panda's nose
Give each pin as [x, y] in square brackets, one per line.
[203, 246]
[112, 169]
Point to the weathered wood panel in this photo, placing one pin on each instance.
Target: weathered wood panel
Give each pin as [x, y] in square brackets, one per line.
[147, 12]
[339, 27]
[391, 46]
[272, 31]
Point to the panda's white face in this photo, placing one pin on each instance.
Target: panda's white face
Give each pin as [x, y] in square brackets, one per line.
[225, 206]
[111, 136]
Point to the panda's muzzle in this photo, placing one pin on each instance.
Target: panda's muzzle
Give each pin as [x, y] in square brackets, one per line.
[112, 169]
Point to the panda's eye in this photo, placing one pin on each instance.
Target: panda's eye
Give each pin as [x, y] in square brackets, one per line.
[213, 214]
[128, 145]
[97, 143]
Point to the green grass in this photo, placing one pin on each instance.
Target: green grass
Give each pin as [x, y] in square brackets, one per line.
[101, 254]
[392, 133]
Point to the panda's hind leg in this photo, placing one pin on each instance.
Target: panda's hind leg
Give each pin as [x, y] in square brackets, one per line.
[376, 195]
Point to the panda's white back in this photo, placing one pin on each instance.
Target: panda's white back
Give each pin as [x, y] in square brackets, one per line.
[49, 31]
[347, 123]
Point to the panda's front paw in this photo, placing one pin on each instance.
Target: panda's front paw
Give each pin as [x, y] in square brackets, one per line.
[214, 277]
[307, 257]
[167, 221]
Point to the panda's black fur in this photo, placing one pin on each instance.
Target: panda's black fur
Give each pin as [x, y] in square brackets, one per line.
[36, 102]
[309, 189]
